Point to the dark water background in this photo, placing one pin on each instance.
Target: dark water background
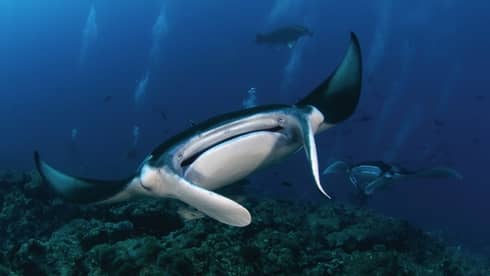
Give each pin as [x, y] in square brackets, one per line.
[424, 101]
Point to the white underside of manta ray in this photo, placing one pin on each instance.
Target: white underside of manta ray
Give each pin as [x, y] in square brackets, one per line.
[225, 149]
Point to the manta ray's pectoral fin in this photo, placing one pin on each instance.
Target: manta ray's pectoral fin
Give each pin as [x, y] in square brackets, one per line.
[80, 190]
[308, 137]
[338, 95]
[337, 167]
[212, 204]
[378, 183]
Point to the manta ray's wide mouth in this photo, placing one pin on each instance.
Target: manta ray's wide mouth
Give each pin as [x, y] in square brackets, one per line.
[188, 161]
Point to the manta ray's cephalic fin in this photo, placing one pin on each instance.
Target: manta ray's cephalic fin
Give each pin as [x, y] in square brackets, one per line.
[308, 137]
[212, 204]
[337, 167]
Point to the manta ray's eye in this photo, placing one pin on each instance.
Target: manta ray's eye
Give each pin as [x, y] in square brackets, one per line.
[281, 121]
[180, 156]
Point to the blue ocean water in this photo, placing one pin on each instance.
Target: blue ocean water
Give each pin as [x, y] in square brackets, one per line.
[86, 82]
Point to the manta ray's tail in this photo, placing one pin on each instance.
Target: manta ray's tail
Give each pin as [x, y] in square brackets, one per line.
[337, 96]
[438, 172]
[77, 189]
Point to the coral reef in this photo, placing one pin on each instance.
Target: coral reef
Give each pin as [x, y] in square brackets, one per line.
[41, 235]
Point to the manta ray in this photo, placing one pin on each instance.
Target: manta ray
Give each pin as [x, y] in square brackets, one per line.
[369, 176]
[227, 148]
[288, 35]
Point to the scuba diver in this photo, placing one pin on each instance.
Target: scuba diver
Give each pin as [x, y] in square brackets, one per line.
[288, 35]
[369, 176]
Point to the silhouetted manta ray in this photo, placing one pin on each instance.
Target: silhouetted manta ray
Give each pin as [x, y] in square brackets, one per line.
[286, 35]
[225, 149]
[369, 176]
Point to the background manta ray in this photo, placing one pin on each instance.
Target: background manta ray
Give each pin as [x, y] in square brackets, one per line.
[288, 36]
[370, 176]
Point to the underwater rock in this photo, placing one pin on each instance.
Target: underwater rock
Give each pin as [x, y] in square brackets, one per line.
[9, 178]
[128, 257]
[158, 217]
[105, 232]
[33, 187]
[42, 235]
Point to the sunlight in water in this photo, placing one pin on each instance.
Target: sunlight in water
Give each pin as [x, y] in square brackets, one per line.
[251, 99]
[446, 92]
[160, 28]
[140, 91]
[393, 100]
[292, 12]
[381, 35]
[136, 135]
[89, 35]
[282, 9]
[292, 67]
[74, 134]
[408, 125]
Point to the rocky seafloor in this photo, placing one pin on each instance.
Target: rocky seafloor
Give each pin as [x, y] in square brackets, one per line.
[41, 235]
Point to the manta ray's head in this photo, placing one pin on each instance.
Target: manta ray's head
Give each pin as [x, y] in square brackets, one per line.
[337, 97]
[150, 178]
[156, 182]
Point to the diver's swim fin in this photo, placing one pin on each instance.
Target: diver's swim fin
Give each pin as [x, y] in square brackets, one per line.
[337, 167]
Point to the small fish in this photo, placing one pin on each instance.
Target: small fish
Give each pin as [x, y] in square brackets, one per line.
[286, 183]
[439, 123]
[192, 123]
[475, 140]
[365, 118]
[163, 115]
[107, 98]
